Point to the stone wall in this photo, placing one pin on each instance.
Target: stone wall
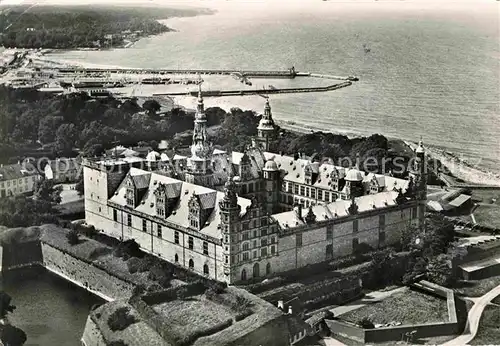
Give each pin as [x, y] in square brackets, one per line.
[91, 334]
[86, 274]
[397, 333]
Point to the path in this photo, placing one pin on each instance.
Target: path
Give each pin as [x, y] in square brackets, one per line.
[332, 342]
[473, 318]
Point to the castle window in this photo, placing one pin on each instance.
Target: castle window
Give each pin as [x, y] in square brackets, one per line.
[130, 197]
[176, 237]
[381, 222]
[327, 196]
[414, 213]
[263, 232]
[159, 231]
[263, 242]
[355, 226]
[298, 239]
[205, 269]
[329, 232]
[289, 187]
[245, 246]
[255, 233]
[205, 248]
[129, 220]
[263, 252]
[160, 212]
[245, 236]
[355, 244]
[227, 259]
[329, 251]
[273, 240]
[245, 256]
[191, 264]
[115, 215]
[263, 221]
[273, 250]
[296, 189]
[144, 226]
[254, 223]
[243, 189]
[190, 243]
[313, 193]
[254, 253]
[245, 225]
[381, 239]
[250, 188]
[302, 191]
[176, 258]
[308, 192]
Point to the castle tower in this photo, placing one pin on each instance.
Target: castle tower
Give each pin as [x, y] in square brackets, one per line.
[418, 173]
[199, 165]
[229, 225]
[266, 129]
[353, 184]
[271, 174]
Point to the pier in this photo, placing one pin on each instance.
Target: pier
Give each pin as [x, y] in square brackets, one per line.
[220, 93]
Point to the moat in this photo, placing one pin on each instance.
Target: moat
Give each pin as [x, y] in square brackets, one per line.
[50, 310]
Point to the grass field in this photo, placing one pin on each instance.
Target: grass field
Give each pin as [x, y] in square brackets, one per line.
[405, 307]
[489, 327]
[488, 211]
[478, 288]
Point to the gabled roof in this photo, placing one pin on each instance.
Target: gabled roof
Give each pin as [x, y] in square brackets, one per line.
[141, 181]
[294, 171]
[16, 171]
[337, 209]
[209, 199]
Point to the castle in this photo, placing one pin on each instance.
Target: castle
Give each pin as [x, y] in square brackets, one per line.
[237, 216]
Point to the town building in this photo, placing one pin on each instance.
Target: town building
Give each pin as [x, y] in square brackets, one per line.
[240, 216]
[18, 179]
[63, 170]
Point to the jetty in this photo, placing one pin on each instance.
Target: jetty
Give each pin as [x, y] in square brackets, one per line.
[221, 93]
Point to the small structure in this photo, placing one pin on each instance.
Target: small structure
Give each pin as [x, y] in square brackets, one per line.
[63, 170]
[18, 179]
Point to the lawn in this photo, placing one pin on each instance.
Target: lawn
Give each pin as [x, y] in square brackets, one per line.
[489, 327]
[488, 215]
[477, 288]
[406, 307]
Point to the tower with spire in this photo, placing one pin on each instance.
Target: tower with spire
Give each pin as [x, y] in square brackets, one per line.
[229, 224]
[418, 174]
[266, 130]
[199, 165]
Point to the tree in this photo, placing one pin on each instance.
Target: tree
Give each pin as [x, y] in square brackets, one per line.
[79, 187]
[46, 191]
[92, 148]
[65, 139]
[120, 319]
[73, 237]
[12, 336]
[48, 127]
[439, 270]
[151, 107]
[5, 306]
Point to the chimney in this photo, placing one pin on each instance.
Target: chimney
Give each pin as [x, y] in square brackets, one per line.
[289, 309]
[280, 304]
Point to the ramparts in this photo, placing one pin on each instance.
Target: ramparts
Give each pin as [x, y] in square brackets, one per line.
[88, 265]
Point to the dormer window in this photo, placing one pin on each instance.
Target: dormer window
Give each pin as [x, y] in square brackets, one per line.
[130, 196]
[194, 212]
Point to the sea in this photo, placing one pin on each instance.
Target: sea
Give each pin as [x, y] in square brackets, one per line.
[428, 70]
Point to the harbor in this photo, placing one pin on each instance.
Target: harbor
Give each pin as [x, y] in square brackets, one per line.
[32, 69]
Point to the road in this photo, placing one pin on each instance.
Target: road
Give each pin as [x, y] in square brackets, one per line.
[473, 318]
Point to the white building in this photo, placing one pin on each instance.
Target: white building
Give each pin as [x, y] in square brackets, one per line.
[18, 179]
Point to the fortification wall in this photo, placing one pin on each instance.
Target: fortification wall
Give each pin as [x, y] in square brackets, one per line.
[85, 274]
[91, 334]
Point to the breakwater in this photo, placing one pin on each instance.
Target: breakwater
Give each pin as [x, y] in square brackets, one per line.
[221, 93]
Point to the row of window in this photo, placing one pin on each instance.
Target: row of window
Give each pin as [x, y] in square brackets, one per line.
[15, 182]
[191, 264]
[248, 235]
[159, 232]
[251, 187]
[18, 189]
[263, 242]
[245, 256]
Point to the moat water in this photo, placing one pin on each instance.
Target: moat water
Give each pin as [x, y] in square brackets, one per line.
[50, 310]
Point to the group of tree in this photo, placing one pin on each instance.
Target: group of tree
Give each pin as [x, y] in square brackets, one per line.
[73, 27]
[432, 251]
